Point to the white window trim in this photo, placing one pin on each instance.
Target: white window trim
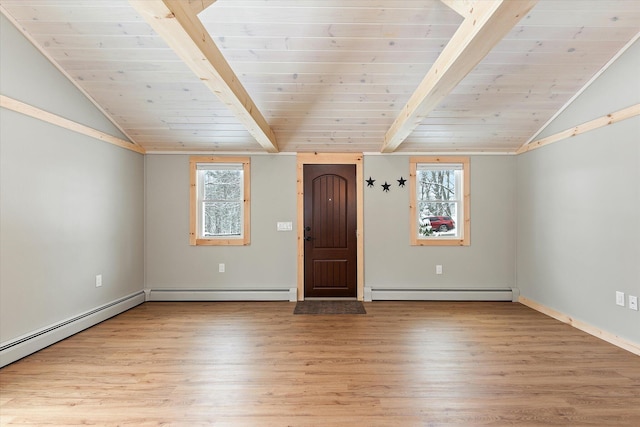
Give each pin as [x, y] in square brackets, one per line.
[465, 238]
[200, 201]
[194, 217]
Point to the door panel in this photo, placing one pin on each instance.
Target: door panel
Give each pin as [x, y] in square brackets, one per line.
[330, 230]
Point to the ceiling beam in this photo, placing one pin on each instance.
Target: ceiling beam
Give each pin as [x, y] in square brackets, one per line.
[198, 6]
[176, 22]
[462, 7]
[487, 23]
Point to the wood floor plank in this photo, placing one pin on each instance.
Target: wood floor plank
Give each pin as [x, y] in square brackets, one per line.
[253, 363]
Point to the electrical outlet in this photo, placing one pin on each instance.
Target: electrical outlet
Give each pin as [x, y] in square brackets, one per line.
[633, 302]
[220, 268]
[98, 280]
[438, 269]
[620, 298]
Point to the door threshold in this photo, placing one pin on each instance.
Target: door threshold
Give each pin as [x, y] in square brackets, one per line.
[331, 299]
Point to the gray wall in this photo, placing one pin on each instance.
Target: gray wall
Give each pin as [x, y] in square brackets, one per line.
[71, 207]
[488, 263]
[268, 263]
[579, 209]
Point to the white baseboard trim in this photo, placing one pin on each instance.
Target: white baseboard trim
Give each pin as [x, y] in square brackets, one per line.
[368, 297]
[222, 295]
[25, 345]
[440, 294]
[585, 327]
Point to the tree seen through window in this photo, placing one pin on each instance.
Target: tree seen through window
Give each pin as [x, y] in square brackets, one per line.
[222, 203]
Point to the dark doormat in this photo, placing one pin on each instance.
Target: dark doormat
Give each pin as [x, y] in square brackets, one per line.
[329, 307]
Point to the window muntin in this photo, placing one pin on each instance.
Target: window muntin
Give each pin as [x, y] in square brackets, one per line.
[439, 200]
[219, 200]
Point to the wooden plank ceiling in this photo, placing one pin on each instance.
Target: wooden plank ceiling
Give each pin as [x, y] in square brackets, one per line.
[329, 75]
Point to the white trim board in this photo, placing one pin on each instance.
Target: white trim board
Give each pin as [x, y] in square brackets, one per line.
[585, 327]
[56, 120]
[221, 295]
[25, 345]
[441, 294]
[611, 118]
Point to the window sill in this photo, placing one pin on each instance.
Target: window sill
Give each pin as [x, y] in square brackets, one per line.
[440, 242]
[220, 242]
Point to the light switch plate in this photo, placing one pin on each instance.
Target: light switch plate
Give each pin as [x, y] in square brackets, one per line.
[285, 226]
[633, 302]
[620, 298]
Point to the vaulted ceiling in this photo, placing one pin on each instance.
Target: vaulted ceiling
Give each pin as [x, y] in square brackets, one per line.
[329, 75]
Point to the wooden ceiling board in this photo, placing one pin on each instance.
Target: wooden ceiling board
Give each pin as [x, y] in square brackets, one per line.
[72, 11]
[98, 77]
[328, 75]
[366, 31]
[319, 12]
[81, 41]
[140, 54]
[99, 28]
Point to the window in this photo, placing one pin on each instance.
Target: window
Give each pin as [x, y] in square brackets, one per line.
[219, 200]
[439, 204]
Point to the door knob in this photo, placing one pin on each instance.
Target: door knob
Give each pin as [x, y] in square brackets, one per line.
[307, 238]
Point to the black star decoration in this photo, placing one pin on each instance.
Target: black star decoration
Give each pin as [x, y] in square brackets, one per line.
[401, 182]
[385, 186]
[370, 182]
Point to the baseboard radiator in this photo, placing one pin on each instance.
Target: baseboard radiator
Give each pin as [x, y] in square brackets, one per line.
[27, 344]
[507, 294]
[221, 295]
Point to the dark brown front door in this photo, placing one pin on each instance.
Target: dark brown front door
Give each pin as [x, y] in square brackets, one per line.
[330, 249]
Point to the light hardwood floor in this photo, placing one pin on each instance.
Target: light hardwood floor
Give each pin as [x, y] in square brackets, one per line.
[256, 364]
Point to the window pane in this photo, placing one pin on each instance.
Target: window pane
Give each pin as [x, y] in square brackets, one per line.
[436, 184]
[222, 184]
[222, 218]
[428, 209]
